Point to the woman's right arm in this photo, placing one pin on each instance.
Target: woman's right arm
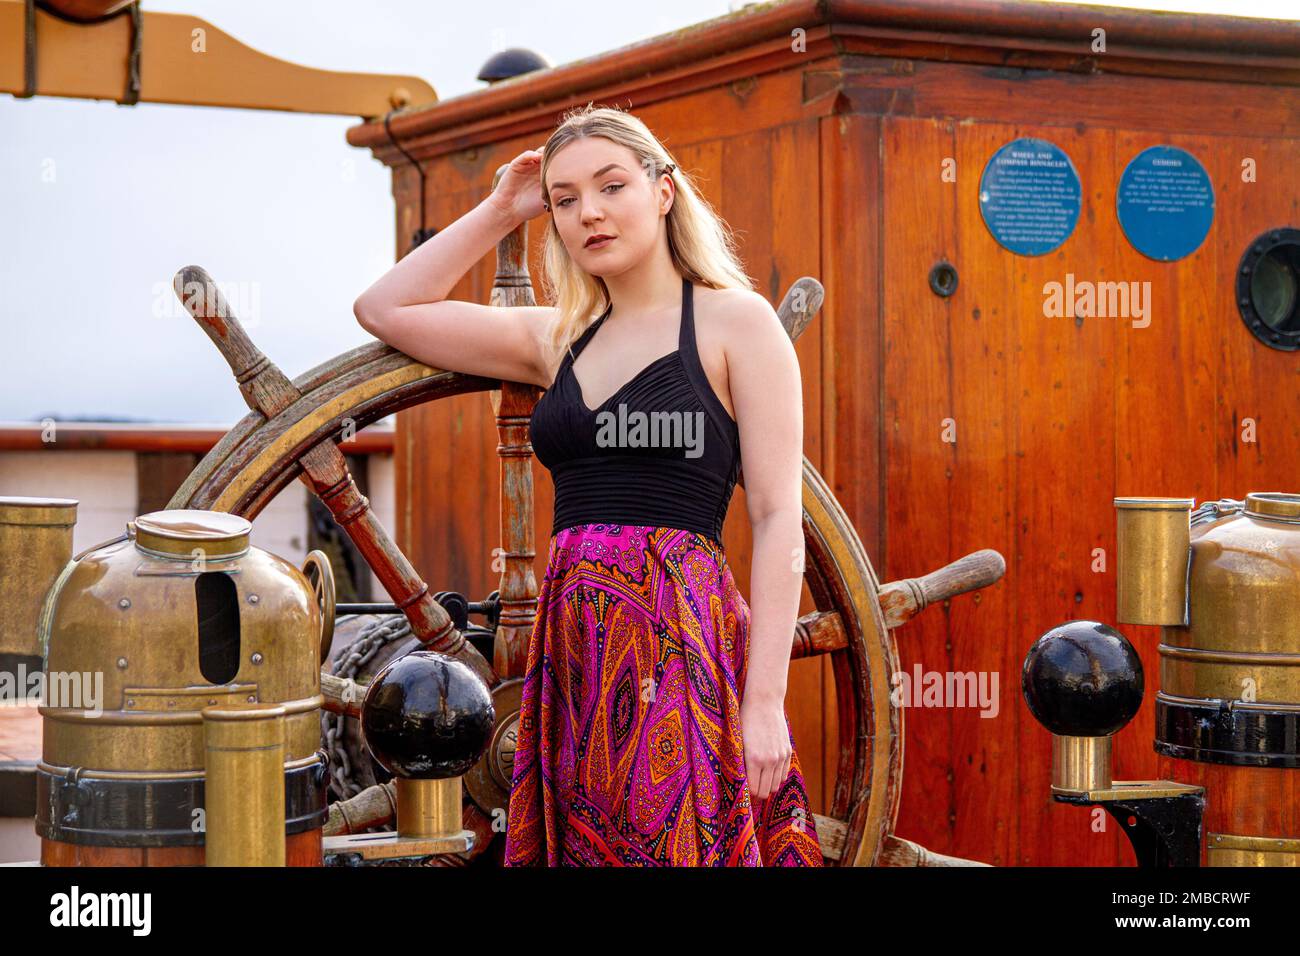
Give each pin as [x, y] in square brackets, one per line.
[408, 308]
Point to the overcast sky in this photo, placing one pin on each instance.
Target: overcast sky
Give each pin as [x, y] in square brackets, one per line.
[101, 204]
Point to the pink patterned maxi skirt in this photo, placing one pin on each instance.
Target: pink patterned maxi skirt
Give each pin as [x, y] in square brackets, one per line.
[629, 741]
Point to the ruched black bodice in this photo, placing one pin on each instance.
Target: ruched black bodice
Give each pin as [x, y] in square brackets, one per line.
[662, 450]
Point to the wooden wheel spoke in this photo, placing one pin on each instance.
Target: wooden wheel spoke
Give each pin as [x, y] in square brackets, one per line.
[293, 437]
[819, 632]
[832, 833]
[895, 851]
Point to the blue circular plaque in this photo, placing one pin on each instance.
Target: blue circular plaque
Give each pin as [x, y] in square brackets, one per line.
[1030, 196]
[1165, 203]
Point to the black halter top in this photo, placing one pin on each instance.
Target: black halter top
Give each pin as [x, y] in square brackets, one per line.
[661, 450]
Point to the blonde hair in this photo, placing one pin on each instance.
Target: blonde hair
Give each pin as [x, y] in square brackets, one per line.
[702, 246]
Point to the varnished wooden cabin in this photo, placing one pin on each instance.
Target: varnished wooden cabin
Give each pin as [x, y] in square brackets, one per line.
[945, 418]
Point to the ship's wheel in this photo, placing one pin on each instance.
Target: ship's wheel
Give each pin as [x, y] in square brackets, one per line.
[294, 431]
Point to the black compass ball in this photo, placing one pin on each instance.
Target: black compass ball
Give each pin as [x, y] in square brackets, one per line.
[1082, 679]
[427, 716]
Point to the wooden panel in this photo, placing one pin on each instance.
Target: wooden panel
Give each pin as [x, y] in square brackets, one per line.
[1252, 381]
[795, 251]
[54, 853]
[918, 213]
[158, 475]
[1111, 408]
[448, 474]
[1064, 410]
[1234, 378]
[1164, 373]
[1011, 94]
[984, 772]
[1242, 801]
[848, 333]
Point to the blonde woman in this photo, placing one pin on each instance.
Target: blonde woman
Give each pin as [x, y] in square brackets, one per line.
[653, 729]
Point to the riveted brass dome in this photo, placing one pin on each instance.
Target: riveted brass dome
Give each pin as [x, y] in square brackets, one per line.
[139, 635]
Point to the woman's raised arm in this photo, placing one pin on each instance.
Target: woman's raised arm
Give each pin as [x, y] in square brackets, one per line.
[408, 308]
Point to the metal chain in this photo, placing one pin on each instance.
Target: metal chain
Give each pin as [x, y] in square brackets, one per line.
[348, 663]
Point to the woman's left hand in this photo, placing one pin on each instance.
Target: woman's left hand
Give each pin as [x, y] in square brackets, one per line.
[766, 736]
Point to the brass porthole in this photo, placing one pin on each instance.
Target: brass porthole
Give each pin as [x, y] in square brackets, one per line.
[1268, 289]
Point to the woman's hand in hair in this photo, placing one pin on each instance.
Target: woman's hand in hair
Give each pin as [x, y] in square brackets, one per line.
[519, 192]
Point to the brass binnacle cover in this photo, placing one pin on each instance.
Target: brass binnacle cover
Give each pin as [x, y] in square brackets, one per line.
[1242, 637]
[1230, 675]
[143, 632]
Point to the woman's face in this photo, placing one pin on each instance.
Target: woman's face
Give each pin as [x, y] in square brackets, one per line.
[599, 188]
